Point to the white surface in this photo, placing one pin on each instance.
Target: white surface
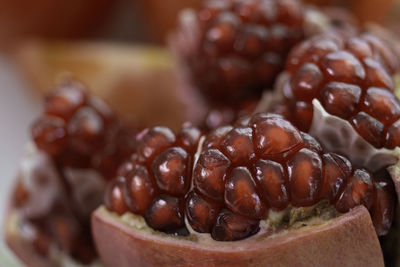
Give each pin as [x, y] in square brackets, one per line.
[18, 108]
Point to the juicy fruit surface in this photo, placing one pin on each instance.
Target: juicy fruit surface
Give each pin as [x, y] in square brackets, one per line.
[243, 45]
[83, 143]
[352, 77]
[241, 173]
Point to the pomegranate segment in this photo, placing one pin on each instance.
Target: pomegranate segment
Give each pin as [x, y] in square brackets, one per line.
[236, 48]
[231, 184]
[117, 202]
[355, 82]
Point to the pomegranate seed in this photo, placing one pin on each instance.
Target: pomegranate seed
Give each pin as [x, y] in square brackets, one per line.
[241, 196]
[170, 171]
[306, 82]
[86, 130]
[271, 178]
[358, 191]
[377, 75]
[114, 196]
[369, 128]
[165, 213]
[340, 99]
[274, 136]
[65, 101]
[188, 138]
[359, 47]
[215, 137]
[201, 213]
[50, 134]
[393, 135]
[303, 115]
[334, 175]
[342, 66]
[139, 189]
[238, 145]
[304, 171]
[210, 173]
[152, 141]
[230, 227]
[311, 143]
[384, 202]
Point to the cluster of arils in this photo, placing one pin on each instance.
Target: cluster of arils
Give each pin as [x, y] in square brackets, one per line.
[352, 77]
[240, 174]
[81, 131]
[81, 143]
[243, 45]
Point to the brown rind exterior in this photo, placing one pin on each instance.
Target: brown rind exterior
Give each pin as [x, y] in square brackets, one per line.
[348, 240]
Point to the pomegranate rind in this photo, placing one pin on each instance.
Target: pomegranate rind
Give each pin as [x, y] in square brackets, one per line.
[22, 246]
[348, 240]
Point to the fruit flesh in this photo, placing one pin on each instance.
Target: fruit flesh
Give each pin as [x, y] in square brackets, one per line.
[242, 172]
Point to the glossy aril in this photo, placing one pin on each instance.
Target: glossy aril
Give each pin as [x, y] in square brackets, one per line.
[114, 196]
[229, 184]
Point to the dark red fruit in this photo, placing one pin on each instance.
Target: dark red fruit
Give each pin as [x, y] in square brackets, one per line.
[274, 136]
[358, 191]
[340, 99]
[114, 196]
[335, 172]
[201, 213]
[171, 171]
[368, 127]
[64, 101]
[239, 173]
[241, 194]
[272, 180]
[305, 177]
[165, 213]
[242, 45]
[50, 134]
[383, 204]
[393, 136]
[230, 227]
[210, 173]
[348, 73]
[139, 189]
[153, 141]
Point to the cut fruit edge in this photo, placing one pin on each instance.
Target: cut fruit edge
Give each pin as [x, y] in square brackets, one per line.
[129, 237]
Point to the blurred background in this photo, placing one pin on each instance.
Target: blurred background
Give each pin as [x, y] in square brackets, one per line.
[117, 47]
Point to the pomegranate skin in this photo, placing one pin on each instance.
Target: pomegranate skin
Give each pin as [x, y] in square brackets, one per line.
[351, 236]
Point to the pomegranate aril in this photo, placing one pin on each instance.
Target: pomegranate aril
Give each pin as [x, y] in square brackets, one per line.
[303, 115]
[384, 203]
[274, 136]
[311, 143]
[139, 189]
[230, 227]
[64, 101]
[340, 99]
[103, 110]
[359, 190]
[305, 177]
[306, 82]
[393, 136]
[342, 66]
[359, 47]
[153, 141]
[271, 179]
[382, 104]
[165, 213]
[114, 196]
[241, 194]
[222, 34]
[86, 130]
[215, 137]
[170, 170]
[50, 134]
[251, 41]
[188, 138]
[334, 177]
[238, 145]
[369, 128]
[377, 75]
[210, 173]
[201, 214]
